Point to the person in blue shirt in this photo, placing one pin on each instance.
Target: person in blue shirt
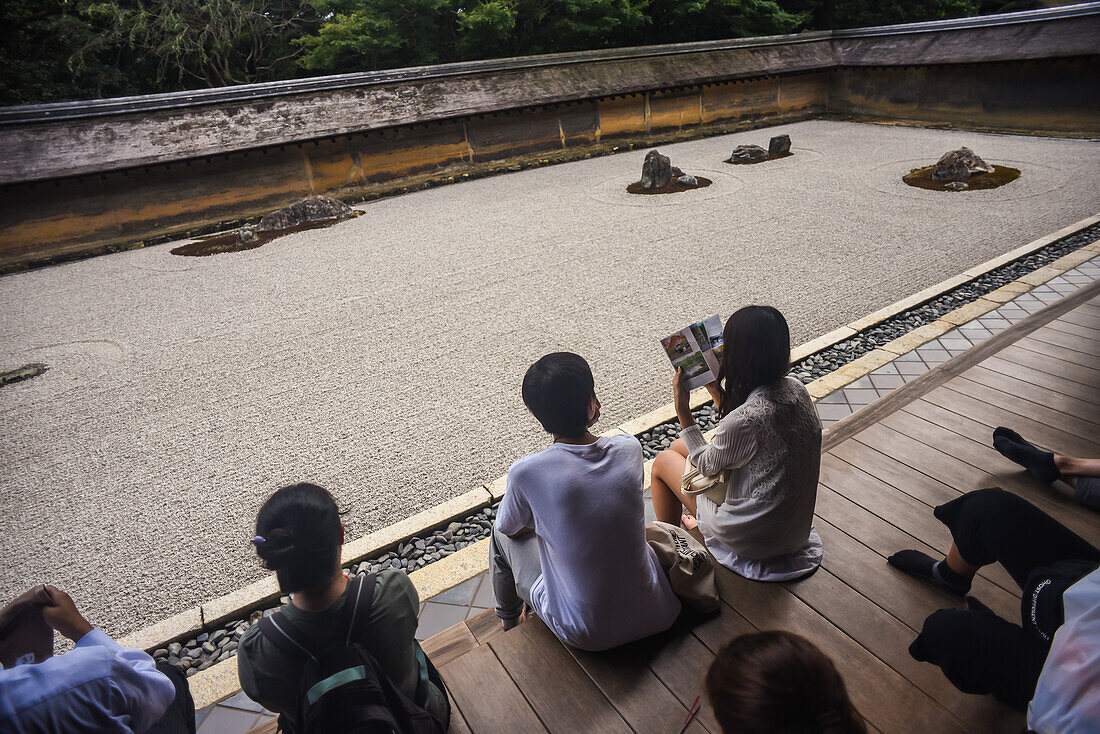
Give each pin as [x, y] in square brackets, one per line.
[98, 686]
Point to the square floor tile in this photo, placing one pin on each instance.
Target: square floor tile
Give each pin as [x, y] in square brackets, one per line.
[1000, 323]
[201, 714]
[933, 355]
[862, 382]
[955, 342]
[973, 329]
[887, 369]
[910, 370]
[887, 382]
[241, 701]
[834, 397]
[437, 617]
[484, 595]
[1029, 304]
[858, 397]
[834, 411]
[909, 357]
[462, 594]
[224, 720]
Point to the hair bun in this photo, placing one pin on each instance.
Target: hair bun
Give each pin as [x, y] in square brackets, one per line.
[277, 547]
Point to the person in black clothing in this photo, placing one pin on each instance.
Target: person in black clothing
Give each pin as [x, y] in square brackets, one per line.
[978, 651]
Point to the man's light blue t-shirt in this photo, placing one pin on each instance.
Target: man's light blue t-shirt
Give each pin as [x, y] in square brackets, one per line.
[601, 584]
[97, 686]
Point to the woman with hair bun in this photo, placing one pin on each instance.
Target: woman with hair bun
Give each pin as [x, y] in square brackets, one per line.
[298, 536]
[769, 682]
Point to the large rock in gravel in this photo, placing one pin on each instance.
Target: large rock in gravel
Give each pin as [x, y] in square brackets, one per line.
[959, 165]
[747, 153]
[656, 170]
[779, 145]
[310, 209]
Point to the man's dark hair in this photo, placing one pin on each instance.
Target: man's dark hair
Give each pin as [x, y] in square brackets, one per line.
[557, 390]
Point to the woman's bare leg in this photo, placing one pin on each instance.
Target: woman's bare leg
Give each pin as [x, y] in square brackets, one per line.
[956, 563]
[1072, 467]
[664, 484]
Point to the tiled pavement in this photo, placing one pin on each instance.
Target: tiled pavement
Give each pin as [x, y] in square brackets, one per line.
[238, 714]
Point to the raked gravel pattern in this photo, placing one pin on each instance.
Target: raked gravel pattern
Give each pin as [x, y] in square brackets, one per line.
[382, 357]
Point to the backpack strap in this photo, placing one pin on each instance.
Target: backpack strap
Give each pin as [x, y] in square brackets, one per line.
[282, 632]
[357, 604]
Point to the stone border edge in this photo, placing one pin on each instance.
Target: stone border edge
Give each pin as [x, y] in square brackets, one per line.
[468, 562]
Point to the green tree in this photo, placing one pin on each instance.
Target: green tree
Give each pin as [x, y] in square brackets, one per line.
[180, 43]
[357, 35]
[673, 21]
[40, 39]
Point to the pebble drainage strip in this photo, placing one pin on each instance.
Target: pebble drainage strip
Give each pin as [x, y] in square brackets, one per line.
[204, 650]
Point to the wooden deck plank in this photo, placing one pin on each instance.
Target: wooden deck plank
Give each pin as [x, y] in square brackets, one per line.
[992, 583]
[1054, 500]
[880, 693]
[1053, 398]
[548, 676]
[624, 677]
[681, 665]
[1065, 415]
[974, 459]
[1081, 318]
[458, 721]
[484, 626]
[888, 502]
[909, 481]
[904, 597]
[1069, 355]
[888, 639]
[487, 695]
[452, 642]
[1085, 393]
[1072, 433]
[1081, 331]
[1017, 333]
[991, 416]
[1059, 368]
[1068, 341]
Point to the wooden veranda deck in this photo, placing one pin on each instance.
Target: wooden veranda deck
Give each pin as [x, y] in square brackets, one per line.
[883, 470]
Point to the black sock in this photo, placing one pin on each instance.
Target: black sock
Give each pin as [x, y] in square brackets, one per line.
[925, 567]
[1040, 464]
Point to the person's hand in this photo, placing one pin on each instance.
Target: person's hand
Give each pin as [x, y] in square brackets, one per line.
[62, 615]
[712, 388]
[681, 396]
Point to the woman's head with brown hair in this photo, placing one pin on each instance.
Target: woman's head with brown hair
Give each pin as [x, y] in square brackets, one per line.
[779, 683]
[756, 351]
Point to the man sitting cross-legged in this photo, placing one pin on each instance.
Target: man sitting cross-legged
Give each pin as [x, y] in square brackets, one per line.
[570, 534]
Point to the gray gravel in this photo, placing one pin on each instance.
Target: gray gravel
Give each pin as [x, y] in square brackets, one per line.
[182, 391]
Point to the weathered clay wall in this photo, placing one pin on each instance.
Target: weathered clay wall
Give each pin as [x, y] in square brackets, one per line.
[83, 178]
[77, 214]
[1050, 97]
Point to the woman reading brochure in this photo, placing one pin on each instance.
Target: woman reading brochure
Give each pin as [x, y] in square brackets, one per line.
[767, 449]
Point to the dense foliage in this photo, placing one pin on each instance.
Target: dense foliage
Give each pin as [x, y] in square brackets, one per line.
[72, 49]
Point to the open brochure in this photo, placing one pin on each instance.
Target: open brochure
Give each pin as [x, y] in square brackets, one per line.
[697, 349]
